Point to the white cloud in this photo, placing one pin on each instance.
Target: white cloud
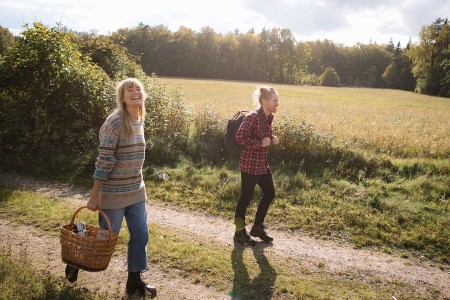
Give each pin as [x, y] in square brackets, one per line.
[342, 21]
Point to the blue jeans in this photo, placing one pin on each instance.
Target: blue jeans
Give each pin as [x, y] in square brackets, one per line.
[136, 218]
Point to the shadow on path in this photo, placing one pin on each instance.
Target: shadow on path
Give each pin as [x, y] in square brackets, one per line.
[260, 287]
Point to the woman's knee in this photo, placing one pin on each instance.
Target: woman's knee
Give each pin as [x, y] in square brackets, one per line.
[269, 195]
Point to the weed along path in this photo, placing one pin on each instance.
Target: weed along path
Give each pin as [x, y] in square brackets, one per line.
[314, 256]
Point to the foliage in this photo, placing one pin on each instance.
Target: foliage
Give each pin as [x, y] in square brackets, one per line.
[6, 40]
[111, 57]
[273, 55]
[392, 75]
[167, 124]
[445, 81]
[323, 54]
[360, 65]
[329, 78]
[53, 99]
[430, 57]
[65, 83]
[367, 63]
[304, 148]
[208, 136]
[310, 79]
[398, 74]
[300, 143]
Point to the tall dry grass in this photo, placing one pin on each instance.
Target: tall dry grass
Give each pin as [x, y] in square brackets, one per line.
[394, 122]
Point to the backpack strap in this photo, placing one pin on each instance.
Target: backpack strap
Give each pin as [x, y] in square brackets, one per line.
[262, 122]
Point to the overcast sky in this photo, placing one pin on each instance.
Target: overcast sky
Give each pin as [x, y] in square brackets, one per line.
[343, 21]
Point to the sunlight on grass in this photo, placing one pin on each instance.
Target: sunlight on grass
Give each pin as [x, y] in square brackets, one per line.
[388, 121]
[237, 270]
[19, 281]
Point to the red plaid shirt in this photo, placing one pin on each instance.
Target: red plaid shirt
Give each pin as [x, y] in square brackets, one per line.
[254, 158]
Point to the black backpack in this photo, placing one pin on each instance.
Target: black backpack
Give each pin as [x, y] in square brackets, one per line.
[233, 124]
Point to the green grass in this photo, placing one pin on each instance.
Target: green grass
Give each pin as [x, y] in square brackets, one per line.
[410, 215]
[18, 281]
[239, 271]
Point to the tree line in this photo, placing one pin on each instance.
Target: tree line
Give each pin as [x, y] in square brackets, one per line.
[274, 55]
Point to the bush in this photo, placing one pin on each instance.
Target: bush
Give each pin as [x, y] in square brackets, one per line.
[207, 141]
[53, 100]
[310, 79]
[303, 147]
[329, 77]
[111, 57]
[167, 124]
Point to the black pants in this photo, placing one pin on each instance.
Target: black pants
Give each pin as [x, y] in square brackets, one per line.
[248, 183]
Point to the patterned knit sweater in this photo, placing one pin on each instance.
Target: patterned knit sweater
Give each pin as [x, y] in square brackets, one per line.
[119, 164]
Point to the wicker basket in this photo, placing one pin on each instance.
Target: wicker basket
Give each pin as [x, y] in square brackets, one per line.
[91, 252]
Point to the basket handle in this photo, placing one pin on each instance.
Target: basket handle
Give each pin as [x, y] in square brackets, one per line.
[72, 221]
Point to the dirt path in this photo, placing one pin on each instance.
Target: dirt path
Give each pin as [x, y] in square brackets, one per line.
[330, 256]
[45, 254]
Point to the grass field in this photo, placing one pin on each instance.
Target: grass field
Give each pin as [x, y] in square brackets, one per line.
[394, 122]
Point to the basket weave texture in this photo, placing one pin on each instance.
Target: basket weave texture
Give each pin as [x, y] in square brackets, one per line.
[89, 252]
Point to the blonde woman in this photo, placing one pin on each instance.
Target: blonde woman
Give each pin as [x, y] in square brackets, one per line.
[255, 136]
[118, 187]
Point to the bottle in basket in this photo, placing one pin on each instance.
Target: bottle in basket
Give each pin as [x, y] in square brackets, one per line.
[81, 228]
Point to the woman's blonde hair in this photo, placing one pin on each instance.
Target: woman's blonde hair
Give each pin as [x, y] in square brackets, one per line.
[262, 92]
[122, 106]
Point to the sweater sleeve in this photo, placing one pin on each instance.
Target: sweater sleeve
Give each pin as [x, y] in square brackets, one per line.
[245, 135]
[106, 160]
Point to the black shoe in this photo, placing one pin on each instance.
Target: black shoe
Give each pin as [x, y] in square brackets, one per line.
[258, 231]
[242, 236]
[71, 273]
[135, 284]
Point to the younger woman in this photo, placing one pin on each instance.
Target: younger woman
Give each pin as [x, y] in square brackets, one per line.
[118, 187]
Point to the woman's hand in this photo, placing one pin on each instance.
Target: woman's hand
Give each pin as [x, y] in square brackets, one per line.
[265, 142]
[94, 202]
